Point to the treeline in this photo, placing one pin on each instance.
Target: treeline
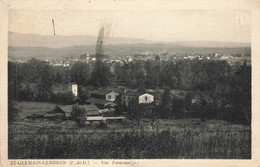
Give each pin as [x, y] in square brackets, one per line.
[183, 74]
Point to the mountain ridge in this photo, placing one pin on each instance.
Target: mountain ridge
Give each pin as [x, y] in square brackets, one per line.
[50, 41]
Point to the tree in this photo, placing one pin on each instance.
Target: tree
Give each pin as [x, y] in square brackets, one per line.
[61, 75]
[173, 82]
[45, 84]
[166, 103]
[12, 111]
[80, 73]
[101, 74]
[78, 114]
[135, 111]
[203, 110]
[12, 92]
[84, 94]
[177, 108]
[142, 88]
[119, 108]
[241, 94]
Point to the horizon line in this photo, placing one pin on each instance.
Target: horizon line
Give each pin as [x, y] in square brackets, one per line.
[147, 40]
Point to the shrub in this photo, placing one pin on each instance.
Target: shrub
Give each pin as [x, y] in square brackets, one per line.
[102, 125]
[78, 114]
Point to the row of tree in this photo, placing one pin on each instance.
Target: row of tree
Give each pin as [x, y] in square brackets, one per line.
[183, 74]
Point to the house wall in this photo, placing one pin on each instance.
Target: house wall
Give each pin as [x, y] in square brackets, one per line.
[75, 90]
[145, 98]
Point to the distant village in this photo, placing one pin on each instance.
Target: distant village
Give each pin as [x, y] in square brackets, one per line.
[232, 59]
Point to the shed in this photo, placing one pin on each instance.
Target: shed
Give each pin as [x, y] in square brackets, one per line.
[91, 110]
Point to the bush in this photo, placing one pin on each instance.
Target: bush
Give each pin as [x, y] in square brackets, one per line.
[102, 125]
[78, 114]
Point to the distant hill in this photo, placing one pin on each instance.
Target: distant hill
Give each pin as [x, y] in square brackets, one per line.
[212, 44]
[47, 46]
[50, 41]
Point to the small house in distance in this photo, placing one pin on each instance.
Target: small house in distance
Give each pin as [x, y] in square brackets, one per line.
[140, 98]
[104, 95]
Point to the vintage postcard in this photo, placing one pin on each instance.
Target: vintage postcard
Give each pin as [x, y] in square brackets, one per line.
[129, 83]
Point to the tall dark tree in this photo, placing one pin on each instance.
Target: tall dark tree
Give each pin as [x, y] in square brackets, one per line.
[79, 114]
[136, 111]
[241, 95]
[45, 84]
[80, 73]
[101, 74]
[178, 107]
[12, 92]
[166, 103]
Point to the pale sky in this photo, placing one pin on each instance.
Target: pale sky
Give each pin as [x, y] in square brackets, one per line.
[155, 25]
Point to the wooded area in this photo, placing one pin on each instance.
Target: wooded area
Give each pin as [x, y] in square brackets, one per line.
[228, 86]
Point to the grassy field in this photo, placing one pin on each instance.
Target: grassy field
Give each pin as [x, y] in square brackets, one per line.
[189, 138]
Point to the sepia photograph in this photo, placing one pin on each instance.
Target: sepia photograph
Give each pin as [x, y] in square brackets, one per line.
[129, 83]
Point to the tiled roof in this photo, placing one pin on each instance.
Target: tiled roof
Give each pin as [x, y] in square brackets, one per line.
[66, 108]
[90, 109]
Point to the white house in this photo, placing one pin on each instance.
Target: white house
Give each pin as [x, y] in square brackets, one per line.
[145, 98]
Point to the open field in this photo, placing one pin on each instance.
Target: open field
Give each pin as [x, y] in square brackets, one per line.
[30, 108]
[189, 138]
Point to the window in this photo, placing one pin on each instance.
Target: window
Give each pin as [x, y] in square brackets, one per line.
[109, 97]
